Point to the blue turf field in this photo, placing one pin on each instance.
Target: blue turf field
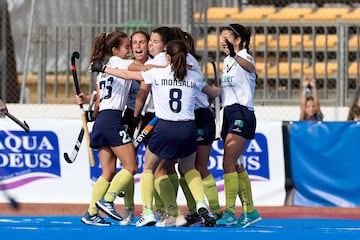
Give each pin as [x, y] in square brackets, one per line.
[70, 227]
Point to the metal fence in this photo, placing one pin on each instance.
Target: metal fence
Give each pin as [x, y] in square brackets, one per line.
[45, 33]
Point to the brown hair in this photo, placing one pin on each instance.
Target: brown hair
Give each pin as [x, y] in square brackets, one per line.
[188, 39]
[177, 51]
[147, 36]
[103, 44]
[165, 34]
[242, 32]
[354, 112]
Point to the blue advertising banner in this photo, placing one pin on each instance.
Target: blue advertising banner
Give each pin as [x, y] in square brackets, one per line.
[325, 163]
[34, 163]
[27, 157]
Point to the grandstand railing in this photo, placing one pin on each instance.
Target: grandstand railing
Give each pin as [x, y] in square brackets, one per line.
[284, 52]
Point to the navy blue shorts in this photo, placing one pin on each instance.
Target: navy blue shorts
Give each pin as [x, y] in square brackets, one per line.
[205, 125]
[173, 139]
[109, 130]
[238, 120]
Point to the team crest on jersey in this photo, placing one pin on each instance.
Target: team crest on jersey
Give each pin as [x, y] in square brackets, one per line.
[239, 123]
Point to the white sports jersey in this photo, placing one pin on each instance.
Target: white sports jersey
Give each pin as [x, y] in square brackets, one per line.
[238, 85]
[135, 85]
[174, 100]
[159, 60]
[113, 90]
[201, 99]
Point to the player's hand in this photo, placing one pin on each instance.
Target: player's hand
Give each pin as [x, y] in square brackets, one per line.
[3, 109]
[136, 120]
[79, 99]
[231, 48]
[97, 66]
[90, 116]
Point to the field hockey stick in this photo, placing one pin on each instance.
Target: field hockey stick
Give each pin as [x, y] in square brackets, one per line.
[83, 116]
[147, 129]
[142, 114]
[217, 100]
[71, 158]
[24, 125]
[14, 204]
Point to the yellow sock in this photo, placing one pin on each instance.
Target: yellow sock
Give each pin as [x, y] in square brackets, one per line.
[129, 195]
[118, 183]
[147, 190]
[194, 181]
[174, 178]
[245, 192]
[99, 189]
[190, 201]
[159, 204]
[231, 185]
[166, 191]
[211, 193]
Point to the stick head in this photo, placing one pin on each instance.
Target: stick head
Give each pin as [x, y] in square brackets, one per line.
[74, 55]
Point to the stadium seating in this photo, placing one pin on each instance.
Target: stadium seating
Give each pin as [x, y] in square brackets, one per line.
[259, 40]
[215, 14]
[210, 69]
[352, 16]
[326, 14]
[354, 70]
[252, 14]
[284, 41]
[354, 42]
[321, 69]
[289, 14]
[282, 69]
[321, 41]
[212, 41]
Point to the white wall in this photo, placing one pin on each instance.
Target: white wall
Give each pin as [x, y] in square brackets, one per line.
[268, 113]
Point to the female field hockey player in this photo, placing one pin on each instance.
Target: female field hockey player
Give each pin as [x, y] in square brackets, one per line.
[139, 45]
[174, 137]
[205, 125]
[108, 134]
[239, 123]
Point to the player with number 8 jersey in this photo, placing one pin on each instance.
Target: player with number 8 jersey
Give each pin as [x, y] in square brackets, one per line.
[174, 137]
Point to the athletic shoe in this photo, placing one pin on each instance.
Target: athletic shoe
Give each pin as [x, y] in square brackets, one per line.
[205, 214]
[247, 219]
[193, 219]
[146, 220]
[171, 221]
[160, 215]
[95, 220]
[180, 221]
[227, 219]
[128, 217]
[108, 208]
[217, 215]
[167, 221]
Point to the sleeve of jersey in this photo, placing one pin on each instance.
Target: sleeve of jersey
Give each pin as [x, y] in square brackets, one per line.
[246, 56]
[147, 76]
[201, 83]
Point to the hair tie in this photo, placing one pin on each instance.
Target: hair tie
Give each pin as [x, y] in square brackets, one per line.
[233, 29]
